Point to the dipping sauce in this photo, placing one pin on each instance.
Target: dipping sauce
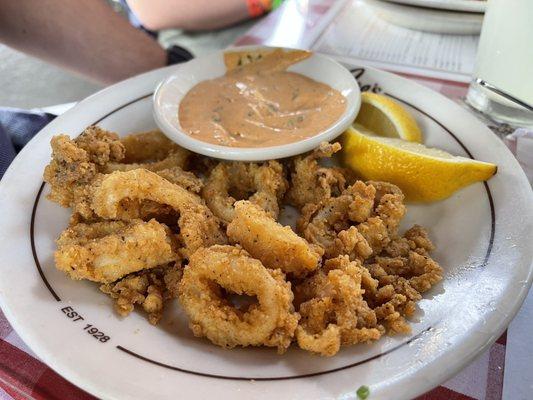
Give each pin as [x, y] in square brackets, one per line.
[257, 103]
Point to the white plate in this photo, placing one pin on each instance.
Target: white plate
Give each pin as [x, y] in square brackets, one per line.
[428, 19]
[483, 235]
[171, 91]
[478, 6]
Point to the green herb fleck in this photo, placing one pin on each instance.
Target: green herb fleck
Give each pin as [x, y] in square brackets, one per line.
[295, 94]
[272, 107]
[363, 392]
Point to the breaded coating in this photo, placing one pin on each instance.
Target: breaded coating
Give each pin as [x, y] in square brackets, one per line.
[107, 251]
[388, 205]
[138, 184]
[375, 232]
[333, 310]
[173, 160]
[187, 180]
[198, 226]
[276, 246]
[151, 289]
[76, 162]
[100, 145]
[312, 183]
[170, 172]
[262, 184]
[401, 274]
[214, 272]
[322, 223]
[152, 146]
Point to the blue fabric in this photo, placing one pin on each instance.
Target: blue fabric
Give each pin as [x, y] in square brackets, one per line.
[17, 127]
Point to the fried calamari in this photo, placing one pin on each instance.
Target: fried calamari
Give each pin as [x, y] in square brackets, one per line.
[333, 309]
[311, 182]
[198, 226]
[262, 184]
[107, 251]
[276, 246]
[142, 208]
[151, 147]
[347, 302]
[214, 272]
[75, 163]
[362, 213]
[151, 289]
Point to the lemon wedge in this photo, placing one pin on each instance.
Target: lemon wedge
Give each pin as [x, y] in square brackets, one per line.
[424, 174]
[386, 117]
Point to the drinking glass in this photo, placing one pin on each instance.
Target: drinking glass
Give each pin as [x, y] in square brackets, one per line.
[502, 85]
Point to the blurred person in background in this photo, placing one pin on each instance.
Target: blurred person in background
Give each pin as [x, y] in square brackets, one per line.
[89, 38]
[198, 14]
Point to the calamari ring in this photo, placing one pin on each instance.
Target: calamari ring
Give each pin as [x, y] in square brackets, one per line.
[173, 160]
[270, 322]
[152, 146]
[138, 184]
[155, 152]
[198, 226]
[326, 343]
[107, 251]
[263, 185]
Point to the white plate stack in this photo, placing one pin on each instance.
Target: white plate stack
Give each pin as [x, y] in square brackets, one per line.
[460, 17]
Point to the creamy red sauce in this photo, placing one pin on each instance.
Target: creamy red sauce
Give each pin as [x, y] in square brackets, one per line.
[260, 104]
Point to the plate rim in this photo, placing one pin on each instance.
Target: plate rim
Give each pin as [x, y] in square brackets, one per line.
[458, 6]
[78, 381]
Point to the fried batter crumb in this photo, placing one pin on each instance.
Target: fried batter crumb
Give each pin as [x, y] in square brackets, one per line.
[151, 289]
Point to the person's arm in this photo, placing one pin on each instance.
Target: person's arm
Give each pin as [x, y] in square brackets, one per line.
[84, 36]
[189, 14]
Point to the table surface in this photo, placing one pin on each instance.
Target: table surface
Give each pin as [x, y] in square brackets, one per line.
[502, 372]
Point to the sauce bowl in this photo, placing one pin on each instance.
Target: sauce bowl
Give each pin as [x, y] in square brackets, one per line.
[172, 90]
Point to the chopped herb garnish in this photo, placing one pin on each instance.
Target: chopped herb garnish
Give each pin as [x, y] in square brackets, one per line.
[300, 118]
[272, 107]
[363, 392]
